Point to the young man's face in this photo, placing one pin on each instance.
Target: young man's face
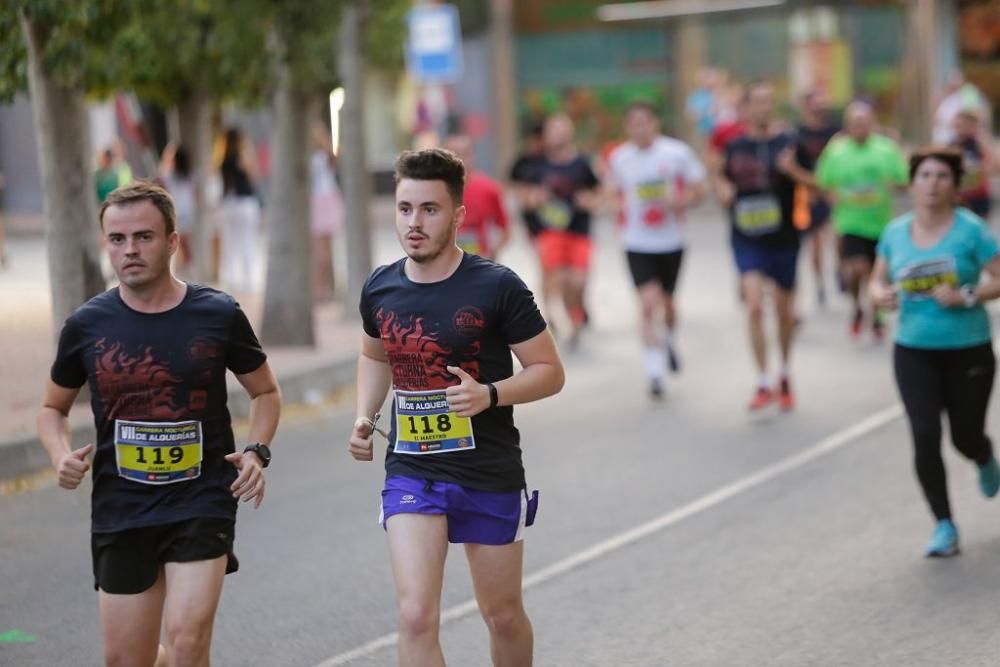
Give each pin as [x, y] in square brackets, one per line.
[137, 243]
[558, 133]
[426, 218]
[760, 105]
[641, 126]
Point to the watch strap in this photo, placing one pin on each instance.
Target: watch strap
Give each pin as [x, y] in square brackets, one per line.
[260, 450]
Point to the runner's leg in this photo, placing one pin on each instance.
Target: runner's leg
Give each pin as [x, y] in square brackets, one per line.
[654, 351]
[418, 545]
[856, 269]
[651, 302]
[193, 592]
[820, 239]
[576, 283]
[919, 382]
[669, 311]
[784, 306]
[496, 576]
[863, 271]
[130, 626]
[968, 382]
[752, 285]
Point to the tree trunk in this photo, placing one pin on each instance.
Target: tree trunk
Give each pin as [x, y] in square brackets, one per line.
[69, 200]
[288, 304]
[354, 168]
[195, 121]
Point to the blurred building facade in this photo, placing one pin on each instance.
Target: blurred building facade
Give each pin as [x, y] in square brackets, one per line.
[897, 52]
[523, 59]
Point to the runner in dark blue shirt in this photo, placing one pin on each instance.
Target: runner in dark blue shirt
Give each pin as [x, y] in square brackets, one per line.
[167, 474]
[439, 329]
[757, 184]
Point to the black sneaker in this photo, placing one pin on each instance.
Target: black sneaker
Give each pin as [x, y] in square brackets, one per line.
[673, 361]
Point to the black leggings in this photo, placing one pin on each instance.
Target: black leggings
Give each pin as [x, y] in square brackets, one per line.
[959, 381]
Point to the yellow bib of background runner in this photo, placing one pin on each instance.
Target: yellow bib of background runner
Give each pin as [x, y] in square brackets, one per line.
[758, 215]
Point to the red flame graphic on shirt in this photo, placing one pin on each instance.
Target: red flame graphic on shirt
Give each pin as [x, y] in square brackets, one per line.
[135, 386]
[418, 358]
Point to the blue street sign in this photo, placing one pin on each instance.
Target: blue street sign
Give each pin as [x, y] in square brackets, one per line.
[434, 46]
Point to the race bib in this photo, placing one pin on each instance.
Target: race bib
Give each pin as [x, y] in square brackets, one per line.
[158, 452]
[555, 214]
[920, 278]
[862, 195]
[425, 425]
[973, 178]
[470, 244]
[758, 215]
[652, 196]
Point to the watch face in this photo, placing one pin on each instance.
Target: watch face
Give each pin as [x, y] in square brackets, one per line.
[264, 451]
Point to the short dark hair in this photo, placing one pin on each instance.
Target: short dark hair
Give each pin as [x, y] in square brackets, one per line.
[433, 164]
[138, 191]
[642, 105]
[952, 157]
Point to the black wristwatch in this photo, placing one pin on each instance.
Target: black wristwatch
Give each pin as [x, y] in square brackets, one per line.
[262, 451]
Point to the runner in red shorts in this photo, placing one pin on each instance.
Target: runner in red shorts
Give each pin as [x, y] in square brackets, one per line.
[562, 193]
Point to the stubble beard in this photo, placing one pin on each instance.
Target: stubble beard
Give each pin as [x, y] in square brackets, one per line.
[427, 256]
[153, 273]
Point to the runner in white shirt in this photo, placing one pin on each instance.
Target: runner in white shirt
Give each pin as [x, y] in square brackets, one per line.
[657, 179]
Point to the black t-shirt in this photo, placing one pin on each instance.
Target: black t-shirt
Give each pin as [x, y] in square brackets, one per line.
[528, 169]
[810, 143]
[563, 180]
[765, 197]
[158, 368]
[468, 320]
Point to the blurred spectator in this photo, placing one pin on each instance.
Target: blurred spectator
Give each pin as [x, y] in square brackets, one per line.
[485, 230]
[814, 132]
[240, 213]
[979, 160]
[959, 95]
[120, 163]
[703, 103]
[731, 124]
[326, 213]
[106, 177]
[175, 173]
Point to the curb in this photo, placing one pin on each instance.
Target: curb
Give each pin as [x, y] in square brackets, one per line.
[26, 455]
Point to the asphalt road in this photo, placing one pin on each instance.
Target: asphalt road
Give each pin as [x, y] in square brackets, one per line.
[762, 540]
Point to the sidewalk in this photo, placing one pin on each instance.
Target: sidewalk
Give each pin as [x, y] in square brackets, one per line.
[305, 374]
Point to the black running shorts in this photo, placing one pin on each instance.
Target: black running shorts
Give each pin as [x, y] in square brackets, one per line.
[852, 246]
[129, 562]
[663, 267]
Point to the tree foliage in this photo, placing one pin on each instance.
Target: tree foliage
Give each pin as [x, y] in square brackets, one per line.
[161, 49]
[77, 33]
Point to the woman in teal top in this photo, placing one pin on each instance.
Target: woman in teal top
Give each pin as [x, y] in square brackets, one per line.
[929, 266]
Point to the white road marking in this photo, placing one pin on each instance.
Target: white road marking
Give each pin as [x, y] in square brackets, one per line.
[822, 448]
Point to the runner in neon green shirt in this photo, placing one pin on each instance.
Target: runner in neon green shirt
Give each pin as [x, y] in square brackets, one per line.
[858, 171]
